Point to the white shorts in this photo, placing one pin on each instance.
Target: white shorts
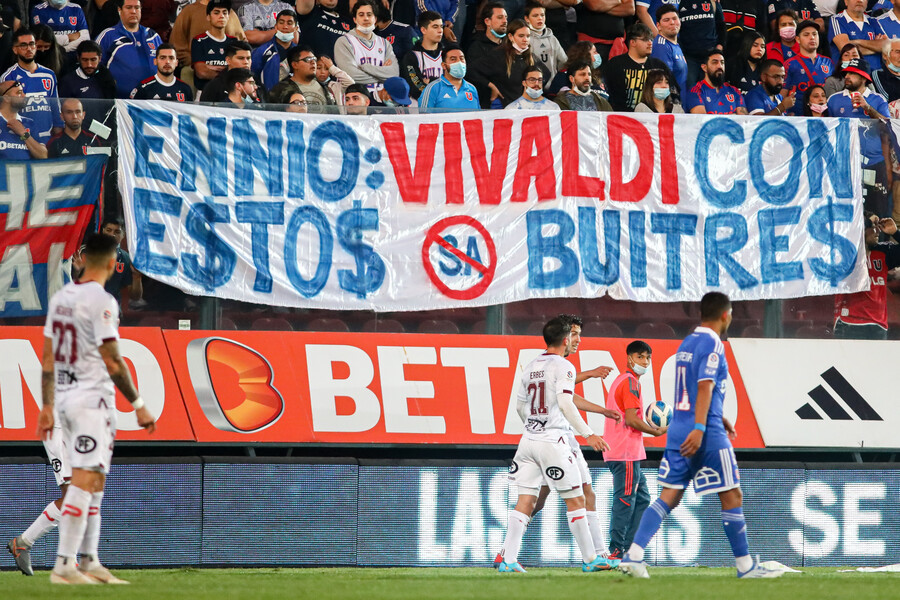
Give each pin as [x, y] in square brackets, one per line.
[55, 448]
[579, 458]
[552, 463]
[88, 434]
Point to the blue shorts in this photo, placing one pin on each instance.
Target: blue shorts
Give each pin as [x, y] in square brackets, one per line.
[712, 470]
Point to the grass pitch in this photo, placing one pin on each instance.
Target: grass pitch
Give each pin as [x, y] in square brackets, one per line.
[458, 584]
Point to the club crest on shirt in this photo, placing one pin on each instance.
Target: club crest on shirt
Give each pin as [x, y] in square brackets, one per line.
[390, 39]
[729, 97]
[707, 7]
[825, 69]
[47, 83]
[470, 97]
[73, 21]
[345, 26]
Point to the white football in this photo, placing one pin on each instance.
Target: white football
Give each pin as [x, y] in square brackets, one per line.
[659, 414]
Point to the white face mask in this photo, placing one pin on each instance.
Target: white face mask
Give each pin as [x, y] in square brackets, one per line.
[284, 37]
[639, 370]
[365, 30]
[533, 93]
[518, 48]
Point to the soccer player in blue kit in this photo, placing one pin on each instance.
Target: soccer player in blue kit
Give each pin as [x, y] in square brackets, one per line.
[699, 447]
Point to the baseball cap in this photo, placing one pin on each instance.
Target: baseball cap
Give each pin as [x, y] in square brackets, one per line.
[398, 89]
[860, 67]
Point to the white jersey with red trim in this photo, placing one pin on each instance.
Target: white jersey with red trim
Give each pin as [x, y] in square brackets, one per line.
[80, 318]
[542, 380]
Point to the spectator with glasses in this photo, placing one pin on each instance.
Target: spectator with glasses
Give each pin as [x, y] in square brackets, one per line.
[302, 80]
[625, 74]
[532, 97]
[16, 141]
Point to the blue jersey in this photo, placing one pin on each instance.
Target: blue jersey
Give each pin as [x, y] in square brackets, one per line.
[722, 101]
[207, 49]
[129, 55]
[805, 9]
[800, 73]
[700, 357]
[65, 20]
[890, 24]
[441, 94]
[11, 147]
[841, 105]
[399, 36]
[266, 62]
[671, 54]
[759, 102]
[43, 101]
[842, 24]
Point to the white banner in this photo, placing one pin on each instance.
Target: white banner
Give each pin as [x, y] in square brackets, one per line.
[821, 393]
[419, 212]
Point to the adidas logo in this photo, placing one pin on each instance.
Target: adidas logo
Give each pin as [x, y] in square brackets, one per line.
[446, 95]
[832, 409]
[211, 51]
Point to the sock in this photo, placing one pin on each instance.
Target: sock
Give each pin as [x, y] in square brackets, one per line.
[736, 530]
[43, 525]
[90, 544]
[518, 522]
[593, 520]
[650, 522]
[72, 523]
[578, 525]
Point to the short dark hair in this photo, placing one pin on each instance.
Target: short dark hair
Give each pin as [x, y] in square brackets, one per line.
[556, 331]
[769, 63]
[161, 47]
[91, 46]
[664, 10]
[214, 4]
[531, 69]
[807, 25]
[530, 6]
[113, 220]
[488, 11]
[98, 248]
[710, 53]
[287, 13]
[121, 3]
[236, 76]
[638, 346]
[636, 31]
[427, 17]
[236, 45]
[22, 32]
[294, 53]
[370, 3]
[577, 66]
[358, 88]
[448, 47]
[712, 305]
[571, 319]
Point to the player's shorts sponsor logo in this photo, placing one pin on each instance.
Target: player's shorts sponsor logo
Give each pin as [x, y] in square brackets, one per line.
[56, 464]
[513, 467]
[555, 473]
[85, 444]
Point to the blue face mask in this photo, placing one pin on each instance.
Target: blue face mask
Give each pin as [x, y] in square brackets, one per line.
[458, 70]
[845, 64]
[498, 35]
[893, 68]
[597, 62]
[661, 93]
[533, 93]
[390, 103]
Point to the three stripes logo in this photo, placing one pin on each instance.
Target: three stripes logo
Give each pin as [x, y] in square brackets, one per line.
[832, 409]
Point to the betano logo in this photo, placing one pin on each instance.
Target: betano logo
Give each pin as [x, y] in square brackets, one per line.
[234, 385]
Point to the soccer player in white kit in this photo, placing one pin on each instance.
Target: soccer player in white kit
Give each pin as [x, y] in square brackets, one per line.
[545, 404]
[81, 367]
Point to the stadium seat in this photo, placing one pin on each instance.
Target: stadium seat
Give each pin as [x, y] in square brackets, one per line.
[602, 329]
[383, 326]
[752, 331]
[271, 324]
[438, 326]
[659, 331]
[227, 324]
[481, 327]
[163, 321]
[327, 324]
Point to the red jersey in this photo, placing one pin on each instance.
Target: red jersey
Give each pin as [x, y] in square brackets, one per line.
[625, 443]
[870, 308]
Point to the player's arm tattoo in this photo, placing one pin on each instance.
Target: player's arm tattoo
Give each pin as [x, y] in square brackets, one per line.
[118, 370]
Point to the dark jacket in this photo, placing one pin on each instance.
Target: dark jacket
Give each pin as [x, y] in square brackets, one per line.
[602, 105]
[492, 69]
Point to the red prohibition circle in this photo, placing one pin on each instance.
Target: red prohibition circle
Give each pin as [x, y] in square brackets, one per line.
[433, 236]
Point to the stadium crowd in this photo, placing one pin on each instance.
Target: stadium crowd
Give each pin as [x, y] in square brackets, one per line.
[778, 58]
